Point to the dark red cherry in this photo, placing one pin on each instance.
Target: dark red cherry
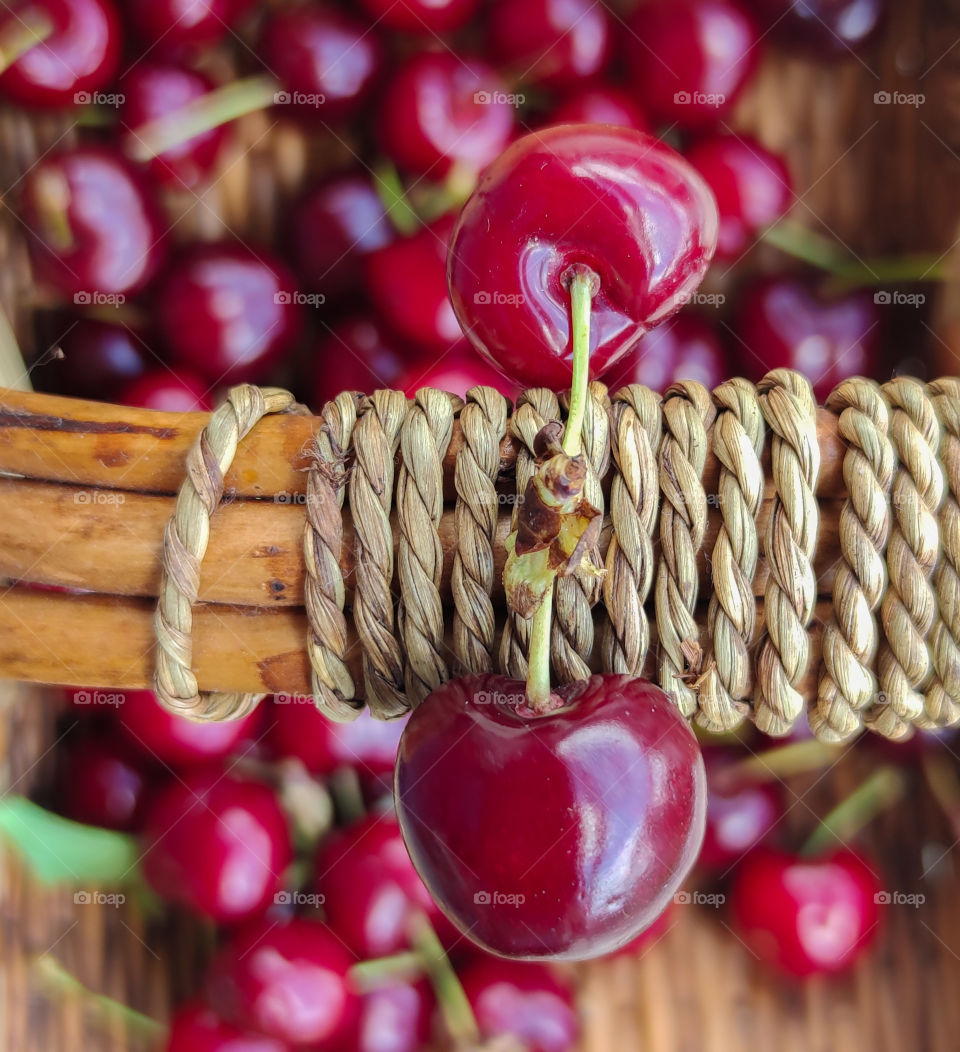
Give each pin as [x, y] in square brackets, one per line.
[553, 42]
[99, 359]
[288, 981]
[370, 887]
[440, 111]
[752, 187]
[175, 740]
[686, 347]
[168, 392]
[171, 26]
[556, 836]
[153, 91]
[824, 28]
[523, 1001]
[355, 355]
[217, 844]
[228, 311]
[197, 1028]
[93, 229]
[77, 59]
[612, 199]
[332, 228]
[600, 104]
[806, 916]
[786, 322]
[325, 61]
[101, 784]
[394, 1017]
[456, 371]
[406, 281]
[690, 59]
[424, 17]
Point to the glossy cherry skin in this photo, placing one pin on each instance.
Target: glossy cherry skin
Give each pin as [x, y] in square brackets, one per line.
[167, 392]
[806, 917]
[288, 981]
[553, 42]
[332, 228]
[175, 741]
[197, 1028]
[394, 1017]
[318, 51]
[751, 184]
[690, 59]
[646, 940]
[93, 226]
[600, 104]
[172, 26]
[441, 110]
[99, 359]
[228, 311]
[217, 844]
[355, 355]
[525, 1001]
[559, 836]
[101, 783]
[153, 90]
[686, 347]
[370, 887]
[78, 58]
[424, 17]
[824, 28]
[614, 200]
[785, 322]
[407, 284]
[456, 371]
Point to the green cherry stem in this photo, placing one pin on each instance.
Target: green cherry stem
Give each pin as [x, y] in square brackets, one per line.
[455, 1008]
[22, 34]
[375, 972]
[782, 761]
[879, 792]
[393, 197]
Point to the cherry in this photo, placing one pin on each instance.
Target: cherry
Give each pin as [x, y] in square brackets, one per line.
[217, 844]
[407, 285]
[355, 355]
[167, 392]
[170, 26]
[425, 17]
[100, 783]
[690, 59]
[806, 916]
[441, 111]
[526, 1002]
[600, 104]
[153, 91]
[288, 981]
[456, 371]
[94, 230]
[686, 347]
[197, 1028]
[228, 311]
[370, 887]
[175, 740]
[647, 939]
[614, 200]
[394, 1017]
[76, 58]
[332, 228]
[825, 28]
[752, 187]
[560, 835]
[785, 322]
[325, 60]
[99, 359]
[553, 42]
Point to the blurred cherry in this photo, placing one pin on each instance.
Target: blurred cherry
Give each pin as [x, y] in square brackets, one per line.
[827, 29]
[456, 370]
[168, 392]
[172, 26]
[685, 347]
[354, 355]
[424, 17]
[99, 359]
[600, 104]
[100, 782]
[197, 1028]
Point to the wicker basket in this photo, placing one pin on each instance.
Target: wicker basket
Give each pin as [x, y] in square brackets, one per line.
[882, 180]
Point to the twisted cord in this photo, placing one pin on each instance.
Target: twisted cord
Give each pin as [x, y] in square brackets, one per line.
[332, 685]
[483, 423]
[634, 502]
[731, 620]
[786, 399]
[909, 608]
[847, 681]
[185, 541]
[535, 407]
[688, 412]
[370, 490]
[424, 439]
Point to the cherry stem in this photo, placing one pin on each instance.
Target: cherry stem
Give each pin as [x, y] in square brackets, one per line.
[211, 110]
[52, 197]
[393, 197]
[22, 34]
[941, 775]
[382, 969]
[13, 370]
[877, 794]
[347, 794]
[782, 761]
[454, 1006]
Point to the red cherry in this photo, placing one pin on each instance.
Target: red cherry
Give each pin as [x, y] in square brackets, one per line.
[806, 916]
[370, 887]
[441, 110]
[153, 91]
[784, 322]
[600, 104]
[612, 199]
[526, 1002]
[822, 28]
[217, 845]
[394, 1017]
[557, 836]
[76, 60]
[553, 42]
[288, 981]
[752, 187]
[227, 311]
[424, 17]
[456, 371]
[325, 60]
[686, 347]
[197, 1028]
[406, 282]
[648, 939]
[167, 392]
[99, 359]
[690, 59]
[93, 227]
[175, 740]
[354, 356]
[170, 26]
[100, 783]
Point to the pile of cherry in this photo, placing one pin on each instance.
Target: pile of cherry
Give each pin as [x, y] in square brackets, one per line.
[422, 96]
